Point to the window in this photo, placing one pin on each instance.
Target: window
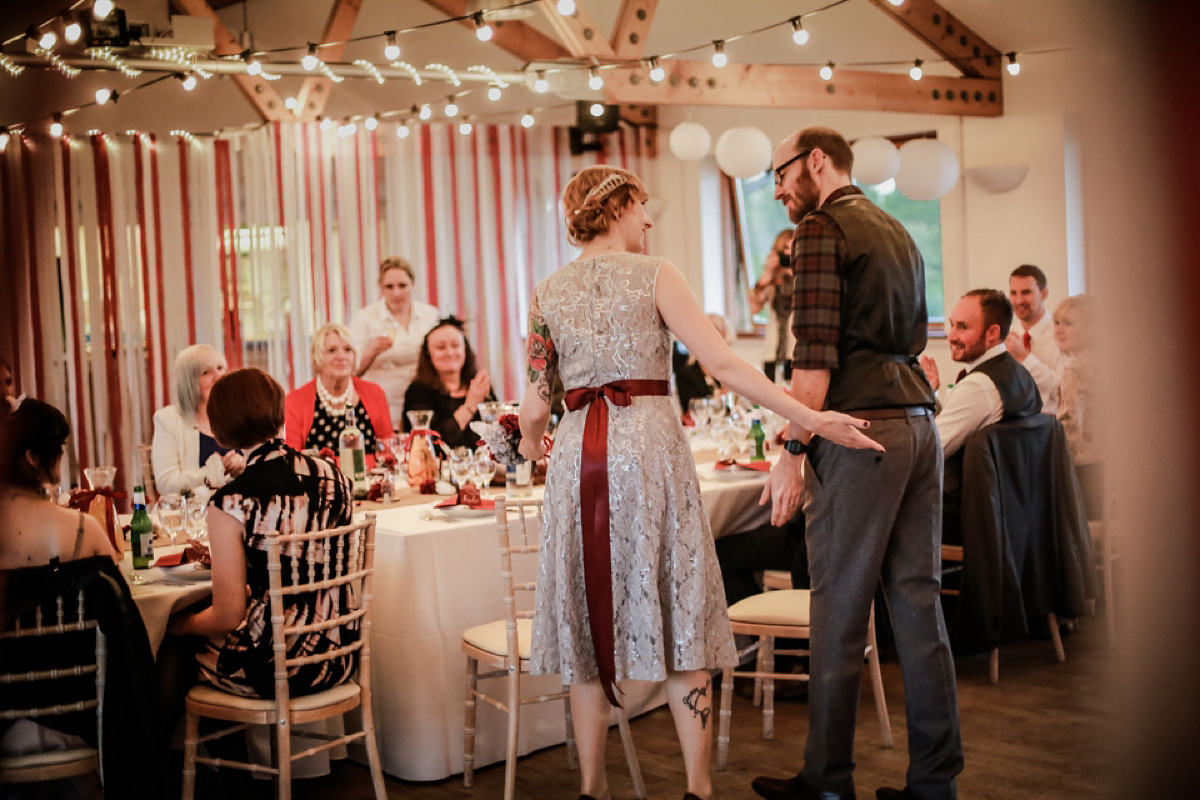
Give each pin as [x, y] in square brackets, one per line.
[923, 221]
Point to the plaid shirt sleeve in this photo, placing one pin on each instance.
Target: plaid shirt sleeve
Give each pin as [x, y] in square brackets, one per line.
[818, 248]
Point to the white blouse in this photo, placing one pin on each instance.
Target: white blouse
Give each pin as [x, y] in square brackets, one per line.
[394, 368]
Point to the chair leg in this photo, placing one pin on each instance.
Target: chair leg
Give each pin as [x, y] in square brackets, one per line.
[1110, 606]
[190, 737]
[769, 687]
[1056, 638]
[726, 713]
[631, 758]
[994, 667]
[885, 724]
[469, 725]
[760, 667]
[569, 723]
[368, 725]
[282, 734]
[514, 722]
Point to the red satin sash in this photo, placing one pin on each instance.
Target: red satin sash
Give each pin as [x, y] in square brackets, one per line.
[593, 499]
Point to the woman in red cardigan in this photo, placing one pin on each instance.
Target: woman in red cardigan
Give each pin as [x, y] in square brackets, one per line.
[316, 412]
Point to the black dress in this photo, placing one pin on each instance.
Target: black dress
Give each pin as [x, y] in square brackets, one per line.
[423, 397]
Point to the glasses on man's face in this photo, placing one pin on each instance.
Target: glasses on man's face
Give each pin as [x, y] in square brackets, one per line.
[779, 170]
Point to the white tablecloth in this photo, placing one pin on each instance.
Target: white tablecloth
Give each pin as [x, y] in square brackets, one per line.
[433, 580]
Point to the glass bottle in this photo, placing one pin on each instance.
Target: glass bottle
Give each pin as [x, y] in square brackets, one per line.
[141, 531]
[760, 438]
[352, 454]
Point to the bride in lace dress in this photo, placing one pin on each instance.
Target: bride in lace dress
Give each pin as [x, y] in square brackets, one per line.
[628, 581]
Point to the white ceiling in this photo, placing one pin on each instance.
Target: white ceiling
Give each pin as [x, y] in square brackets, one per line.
[855, 31]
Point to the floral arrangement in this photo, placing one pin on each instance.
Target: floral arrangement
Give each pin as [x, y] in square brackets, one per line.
[503, 438]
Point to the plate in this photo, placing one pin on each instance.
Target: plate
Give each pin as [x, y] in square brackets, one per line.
[188, 572]
[734, 474]
[466, 512]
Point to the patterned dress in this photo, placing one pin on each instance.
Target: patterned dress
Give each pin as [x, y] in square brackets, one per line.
[282, 491]
[669, 609]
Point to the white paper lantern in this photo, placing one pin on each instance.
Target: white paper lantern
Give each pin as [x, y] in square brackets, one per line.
[928, 169]
[690, 141]
[743, 152]
[875, 160]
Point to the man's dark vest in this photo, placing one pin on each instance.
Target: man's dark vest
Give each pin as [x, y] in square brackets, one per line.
[883, 312]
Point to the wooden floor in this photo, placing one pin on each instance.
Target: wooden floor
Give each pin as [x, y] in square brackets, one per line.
[1040, 733]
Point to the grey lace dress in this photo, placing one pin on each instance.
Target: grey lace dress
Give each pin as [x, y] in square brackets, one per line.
[669, 610]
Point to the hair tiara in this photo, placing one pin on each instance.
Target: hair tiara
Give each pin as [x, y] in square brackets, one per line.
[605, 187]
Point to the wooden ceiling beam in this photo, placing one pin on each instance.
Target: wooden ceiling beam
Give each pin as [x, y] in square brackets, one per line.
[517, 38]
[259, 92]
[947, 35]
[633, 25]
[314, 92]
[578, 32]
[800, 87]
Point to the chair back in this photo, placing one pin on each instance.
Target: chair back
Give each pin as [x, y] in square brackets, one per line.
[520, 535]
[339, 559]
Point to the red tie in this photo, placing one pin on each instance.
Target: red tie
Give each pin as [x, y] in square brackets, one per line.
[962, 373]
[1028, 341]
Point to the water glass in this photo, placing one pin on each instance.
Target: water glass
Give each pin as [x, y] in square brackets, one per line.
[461, 465]
[727, 440]
[485, 469]
[168, 511]
[699, 407]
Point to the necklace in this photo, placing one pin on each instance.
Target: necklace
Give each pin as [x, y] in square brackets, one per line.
[336, 406]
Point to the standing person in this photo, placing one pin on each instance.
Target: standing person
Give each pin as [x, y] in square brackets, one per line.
[387, 334]
[774, 290]
[628, 582]
[1033, 344]
[860, 322]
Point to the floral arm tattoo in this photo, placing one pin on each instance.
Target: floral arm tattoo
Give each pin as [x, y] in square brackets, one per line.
[541, 359]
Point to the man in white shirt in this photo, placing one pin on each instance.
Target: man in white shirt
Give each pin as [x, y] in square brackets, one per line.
[1032, 342]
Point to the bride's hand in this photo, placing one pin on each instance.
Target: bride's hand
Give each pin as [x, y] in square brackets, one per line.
[845, 430]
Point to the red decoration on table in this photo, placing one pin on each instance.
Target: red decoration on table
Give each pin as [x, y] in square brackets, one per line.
[761, 466]
[390, 461]
[194, 553]
[428, 487]
[375, 493]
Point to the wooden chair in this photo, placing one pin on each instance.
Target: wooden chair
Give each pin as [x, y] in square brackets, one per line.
[347, 557]
[504, 646]
[782, 613]
[55, 764]
[147, 467]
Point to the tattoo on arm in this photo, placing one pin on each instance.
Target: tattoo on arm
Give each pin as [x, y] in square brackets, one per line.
[541, 358]
[697, 700]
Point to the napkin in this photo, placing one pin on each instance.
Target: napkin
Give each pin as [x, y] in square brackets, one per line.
[194, 552]
[468, 496]
[761, 466]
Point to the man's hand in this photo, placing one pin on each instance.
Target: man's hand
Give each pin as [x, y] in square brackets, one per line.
[1015, 344]
[783, 489]
[931, 371]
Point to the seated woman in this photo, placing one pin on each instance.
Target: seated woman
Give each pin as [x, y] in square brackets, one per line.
[316, 412]
[184, 454]
[449, 384]
[1077, 396]
[280, 490]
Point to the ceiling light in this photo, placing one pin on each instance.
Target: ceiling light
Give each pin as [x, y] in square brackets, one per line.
[718, 57]
[1013, 66]
[47, 40]
[483, 31]
[527, 120]
[102, 8]
[402, 131]
[189, 82]
[541, 85]
[827, 71]
[657, 73]
[371, 123]
[597, 109]
[56, 128]
[465, 128]
[103, 96]
[566, 7]
[290, 104]
[916, 72]
[326, 123]
[72, 30]
[426, 112]
[391, 50]
[595, 82]
[451, 108]
[310, 60]
[494, 93]
[799, 35]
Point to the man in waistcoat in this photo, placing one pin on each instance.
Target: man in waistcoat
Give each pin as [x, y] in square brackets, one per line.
[992, 386]
[860, 321]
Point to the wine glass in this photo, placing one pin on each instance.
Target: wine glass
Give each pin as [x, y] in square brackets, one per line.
[169, 513]
[485, 469]
[195, 517]
[699, 406]
[461, 465]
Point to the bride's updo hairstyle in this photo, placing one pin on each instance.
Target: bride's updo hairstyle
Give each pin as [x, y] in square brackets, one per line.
[594, 197]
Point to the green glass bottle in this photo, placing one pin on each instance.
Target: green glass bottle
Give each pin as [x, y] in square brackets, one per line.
[141, 531]
[760, 439]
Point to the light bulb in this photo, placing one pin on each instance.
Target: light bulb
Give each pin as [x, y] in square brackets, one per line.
[566, 7]
[451, 108]
[595, 82]
[541, 85]
[391, 50]
[72, 31]
[657, 73]
[494, 93]
[290, 104]
[1014, 66]
[48, 40]
[102, 96]
[718, 57]
[402, 131]
[56, 128]
[326, 124]
[189, 83]
[371, 123]
[799, 35]
[597, 109]
[827, 71]
[916, 72]
[253, 66]
[527, 120]
[483, 31]
[426, 112]
[310, 60]
[102, 8]
[896, 2]
[465, 128]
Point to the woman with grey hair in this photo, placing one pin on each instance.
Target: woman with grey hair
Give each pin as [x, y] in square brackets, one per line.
[185, 455]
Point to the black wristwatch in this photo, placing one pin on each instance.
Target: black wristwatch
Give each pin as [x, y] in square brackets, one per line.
[795, 447]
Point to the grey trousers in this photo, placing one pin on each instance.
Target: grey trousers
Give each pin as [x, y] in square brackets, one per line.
[874, 517]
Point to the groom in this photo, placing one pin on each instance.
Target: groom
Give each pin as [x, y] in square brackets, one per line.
[860, 322]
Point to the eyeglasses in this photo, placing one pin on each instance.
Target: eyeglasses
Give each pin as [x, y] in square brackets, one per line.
[779, 170]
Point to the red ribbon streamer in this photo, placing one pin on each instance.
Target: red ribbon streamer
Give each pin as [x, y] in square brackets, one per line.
[593, 499]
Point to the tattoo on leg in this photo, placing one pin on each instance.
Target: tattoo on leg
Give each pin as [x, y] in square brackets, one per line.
[695, 698]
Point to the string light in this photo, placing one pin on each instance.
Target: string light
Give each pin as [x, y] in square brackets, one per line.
[451, 107]
[108, 55]
[104, 95]
[348, 129]
[310, 60]
[326, 123]
[799, 35]
[371, 122]
[916, 72]
[47, 39]
[827, 71]
[566, 7]
[402, 130]
[527, 120]
[541, 85]
[253, 65]
[72, 30]
[494, 93]
[102, 8]
[328, 73]
[718, 57]
[391, 50]
[449, 73]
[896, 2]
[426, 112]
[1013, 66]
[58, 63]
[597, 109]
[465, 128]
[290, 103]
[189, 82]
[10, 67]
[56, 128]
[657, 73]
[595, 82]
[410, 69]
[483, 31]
